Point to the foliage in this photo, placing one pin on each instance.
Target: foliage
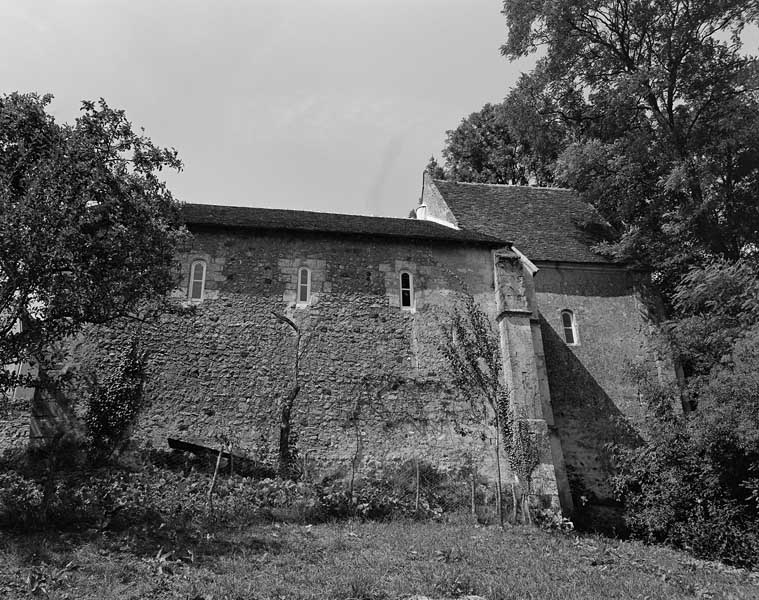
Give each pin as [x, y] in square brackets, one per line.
[662, 106]
[507, 143]
[472, 351]
[551, 520]
[112, 408]
[693, 483]
[88, 231]
[378, 498]
[149, 530]
[154, 494]
[716, 306]
[434, 169]
[20, 499]
[482, 150]
[648, 109]
[523, 449]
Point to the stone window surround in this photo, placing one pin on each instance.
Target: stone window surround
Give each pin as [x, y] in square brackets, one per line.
[411, 305]
[213, 276]
[391, 272]
[299, 289]
[571, 327]
[197, 262]
[289, 274]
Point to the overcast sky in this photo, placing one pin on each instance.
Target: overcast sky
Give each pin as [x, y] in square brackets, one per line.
[330, 105]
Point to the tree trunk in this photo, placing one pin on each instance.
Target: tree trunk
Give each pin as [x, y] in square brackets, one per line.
[499, 500]
[285, 458]
[527, 515]
[514, 502]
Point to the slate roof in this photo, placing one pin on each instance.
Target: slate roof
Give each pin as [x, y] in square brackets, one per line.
[299, 220]
[541, 222]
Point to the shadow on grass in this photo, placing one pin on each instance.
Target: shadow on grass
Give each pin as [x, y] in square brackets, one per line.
[57, 548]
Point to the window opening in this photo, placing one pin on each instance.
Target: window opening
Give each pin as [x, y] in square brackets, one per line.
[304, 286]
[570, 328]
[407, 290]
[197, 280]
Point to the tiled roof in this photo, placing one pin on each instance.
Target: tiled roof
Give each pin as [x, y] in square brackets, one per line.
[541, 222]
[299, 220]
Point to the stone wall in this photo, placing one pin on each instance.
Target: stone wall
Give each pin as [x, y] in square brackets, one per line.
[594, 384]
[14, 424]
[15, 407]
[374, 384]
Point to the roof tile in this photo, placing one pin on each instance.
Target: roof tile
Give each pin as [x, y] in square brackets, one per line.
[541, 222]
[298, 220]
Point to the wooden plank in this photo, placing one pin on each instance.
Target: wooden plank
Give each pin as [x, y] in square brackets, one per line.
[199, 450]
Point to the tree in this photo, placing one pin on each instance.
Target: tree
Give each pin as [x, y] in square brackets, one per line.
[717, 306]
[434, 169]
[88, 231]
[472, 352]
[287, 461]
[666, 146]
[540, 127]
[516, 142]
[694, 482]
[666, 133]
[481, 149]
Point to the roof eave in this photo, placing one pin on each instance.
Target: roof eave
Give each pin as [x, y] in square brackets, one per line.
[492, 243]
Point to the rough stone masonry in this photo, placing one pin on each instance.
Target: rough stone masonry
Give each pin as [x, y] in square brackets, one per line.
[376, 390]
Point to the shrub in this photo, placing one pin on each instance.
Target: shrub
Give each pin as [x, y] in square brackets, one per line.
[164, 500]
[376, 498]
[693, 482]
[20, 500]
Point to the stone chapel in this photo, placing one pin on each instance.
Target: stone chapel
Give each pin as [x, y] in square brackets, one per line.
[371, 295]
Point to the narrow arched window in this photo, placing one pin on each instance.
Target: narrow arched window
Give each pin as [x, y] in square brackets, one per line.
[197, 280]
[407, 290]
[569, 326]
[304, 286]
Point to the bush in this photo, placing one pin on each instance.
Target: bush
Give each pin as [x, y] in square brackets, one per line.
[164, 500]
[693, 483]
[20, 500]
[379, 498]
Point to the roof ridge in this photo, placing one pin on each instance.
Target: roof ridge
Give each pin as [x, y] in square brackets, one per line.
[507, 185]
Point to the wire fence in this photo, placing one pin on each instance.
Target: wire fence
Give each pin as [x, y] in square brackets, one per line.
[421, 488]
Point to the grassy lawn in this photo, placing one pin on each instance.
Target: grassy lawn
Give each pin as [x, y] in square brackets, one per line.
[365, 561]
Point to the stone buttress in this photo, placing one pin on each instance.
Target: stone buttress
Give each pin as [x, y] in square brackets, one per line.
[525, 374]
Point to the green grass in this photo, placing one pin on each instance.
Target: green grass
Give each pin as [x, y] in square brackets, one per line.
[363, 561]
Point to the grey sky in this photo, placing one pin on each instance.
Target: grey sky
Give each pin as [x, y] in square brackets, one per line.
[331, 105]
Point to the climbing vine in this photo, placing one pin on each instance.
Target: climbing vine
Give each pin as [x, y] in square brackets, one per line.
[472, 351]
[113, 408]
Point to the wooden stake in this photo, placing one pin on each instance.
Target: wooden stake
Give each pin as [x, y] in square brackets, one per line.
[416, 501]
[474, 485]
[209, 502]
